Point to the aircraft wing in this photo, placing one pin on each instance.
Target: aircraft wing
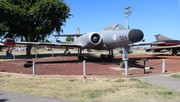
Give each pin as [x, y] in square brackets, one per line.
[65, 35]
[48, 44]
[157, 45]
[144, 44]
[10, 42]
[165, 47]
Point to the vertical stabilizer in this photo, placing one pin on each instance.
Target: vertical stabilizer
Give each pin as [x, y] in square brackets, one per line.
[160, 37]
[78, 31]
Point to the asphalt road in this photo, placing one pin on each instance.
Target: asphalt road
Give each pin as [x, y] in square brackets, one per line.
[7, 96]
[163, 80]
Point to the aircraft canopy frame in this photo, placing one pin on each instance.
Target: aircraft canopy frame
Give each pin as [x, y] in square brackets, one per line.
[115, 27]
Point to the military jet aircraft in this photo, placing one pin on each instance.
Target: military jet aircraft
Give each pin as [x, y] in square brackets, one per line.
[111, 37]
[165, 44]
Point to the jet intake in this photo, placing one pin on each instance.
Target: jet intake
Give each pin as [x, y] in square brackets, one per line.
[91, 40]
[135, 35]
[95, 38]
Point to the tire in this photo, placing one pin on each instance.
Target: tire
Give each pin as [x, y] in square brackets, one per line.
[122, 64]
[67, 52]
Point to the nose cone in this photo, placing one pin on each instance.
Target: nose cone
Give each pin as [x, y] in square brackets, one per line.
[135, 35]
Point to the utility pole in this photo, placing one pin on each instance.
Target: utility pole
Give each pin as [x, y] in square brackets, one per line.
[127, 13]
[125, 47]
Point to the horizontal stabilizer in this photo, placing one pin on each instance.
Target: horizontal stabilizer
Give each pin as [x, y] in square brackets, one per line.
[72, 35]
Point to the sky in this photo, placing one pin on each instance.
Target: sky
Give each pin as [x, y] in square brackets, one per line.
[150, 16]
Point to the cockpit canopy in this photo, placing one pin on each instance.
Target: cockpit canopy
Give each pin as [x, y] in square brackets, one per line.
[115, 27]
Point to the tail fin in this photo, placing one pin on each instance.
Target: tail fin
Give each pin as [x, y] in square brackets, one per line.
[78, 31]
[160, 37]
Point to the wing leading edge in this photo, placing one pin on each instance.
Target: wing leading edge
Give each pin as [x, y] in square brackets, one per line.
[48, 44]
[10, 42]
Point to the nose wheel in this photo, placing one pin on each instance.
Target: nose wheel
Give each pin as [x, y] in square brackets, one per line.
[122, 64]
[109, 57]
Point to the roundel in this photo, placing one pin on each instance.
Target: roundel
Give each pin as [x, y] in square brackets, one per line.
[114, 37]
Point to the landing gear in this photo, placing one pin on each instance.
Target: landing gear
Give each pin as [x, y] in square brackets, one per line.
[174, 52]
[102, 56]
[80, 56]
[110, 56]
[67, 52]
[124, 58]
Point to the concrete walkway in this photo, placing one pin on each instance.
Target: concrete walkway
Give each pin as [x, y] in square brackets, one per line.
[163, 80]
[8, 96]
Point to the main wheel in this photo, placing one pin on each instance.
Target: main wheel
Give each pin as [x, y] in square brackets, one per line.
[67, 52]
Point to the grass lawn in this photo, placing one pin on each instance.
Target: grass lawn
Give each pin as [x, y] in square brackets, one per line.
[87, 90]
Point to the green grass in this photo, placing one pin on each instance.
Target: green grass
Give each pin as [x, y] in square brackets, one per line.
[94, 94]
[119, 80]
[176, 75]
[87, 90]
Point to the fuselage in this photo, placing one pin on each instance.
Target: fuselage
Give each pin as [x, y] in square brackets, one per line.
[111, 37]
[167, 43]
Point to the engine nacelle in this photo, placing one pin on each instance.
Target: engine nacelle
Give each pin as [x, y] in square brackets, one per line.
[95, 38]
[90, 40]
[8, 42]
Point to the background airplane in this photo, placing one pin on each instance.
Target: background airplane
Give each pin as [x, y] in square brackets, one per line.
[111, 37]
[165, 44]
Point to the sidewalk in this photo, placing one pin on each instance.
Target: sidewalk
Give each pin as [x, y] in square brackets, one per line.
[7, 96]
[163, 80]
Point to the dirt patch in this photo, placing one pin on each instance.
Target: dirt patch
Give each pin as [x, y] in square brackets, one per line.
[69, 65]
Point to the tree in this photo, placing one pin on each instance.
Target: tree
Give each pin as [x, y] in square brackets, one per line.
[33, 20]
[69, 39]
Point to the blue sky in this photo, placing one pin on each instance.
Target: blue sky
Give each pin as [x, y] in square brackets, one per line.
[151, 16]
